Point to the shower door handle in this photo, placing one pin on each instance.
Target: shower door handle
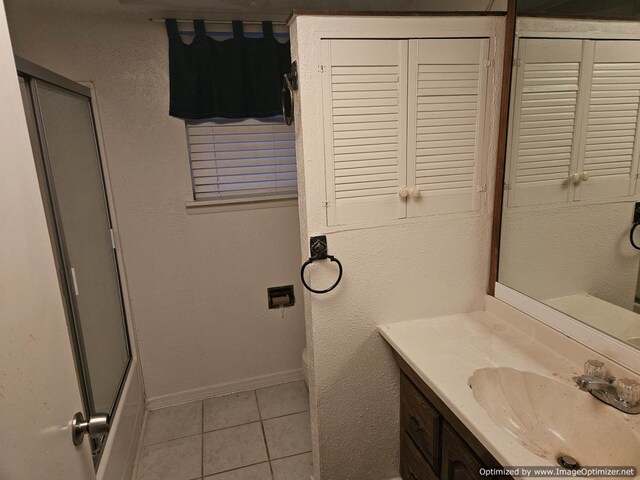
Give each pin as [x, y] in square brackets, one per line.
[96, 426]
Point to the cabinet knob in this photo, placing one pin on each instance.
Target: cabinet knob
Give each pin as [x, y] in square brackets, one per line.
[415, 192]
[575, 178]
[415, 424]
[584, 176]
[403, 192]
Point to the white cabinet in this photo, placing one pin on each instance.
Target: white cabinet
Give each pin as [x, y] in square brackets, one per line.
[543, 124]
[574, 121]
[365, 107]
[447, 100]
[609, 152]
[404, 125]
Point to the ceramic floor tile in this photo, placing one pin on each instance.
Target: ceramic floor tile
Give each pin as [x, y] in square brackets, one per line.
[174, 460]
[298, 467]
[230, 410]
[254, 472]
[173, 422]
[288, 435]
[283, 399]
[233, 447]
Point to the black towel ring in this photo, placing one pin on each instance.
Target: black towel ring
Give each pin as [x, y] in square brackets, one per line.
[633, 242]
[309, 262]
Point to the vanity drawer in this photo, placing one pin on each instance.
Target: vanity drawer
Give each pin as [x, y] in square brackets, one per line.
[420, 421]
[459, 461]
[412, 464]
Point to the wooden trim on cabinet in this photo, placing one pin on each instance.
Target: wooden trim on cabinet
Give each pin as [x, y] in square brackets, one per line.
[507, 68]
[580, 16]
[395, 13]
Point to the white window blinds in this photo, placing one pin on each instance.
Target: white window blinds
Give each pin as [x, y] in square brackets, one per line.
[242, 159]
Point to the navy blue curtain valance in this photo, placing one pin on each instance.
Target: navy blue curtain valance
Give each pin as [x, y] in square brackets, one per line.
[235, 78]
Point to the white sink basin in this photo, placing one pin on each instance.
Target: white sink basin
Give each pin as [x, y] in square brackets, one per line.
[550, 418]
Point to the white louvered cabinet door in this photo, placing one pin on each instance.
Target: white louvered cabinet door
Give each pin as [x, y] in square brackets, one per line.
[609, 152]
[364, 103]
[447, 110]
[544, 140]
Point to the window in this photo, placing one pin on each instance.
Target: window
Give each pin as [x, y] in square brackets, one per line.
[244, 160]
[241, 160]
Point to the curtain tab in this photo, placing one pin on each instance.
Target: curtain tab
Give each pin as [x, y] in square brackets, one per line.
[238, 31]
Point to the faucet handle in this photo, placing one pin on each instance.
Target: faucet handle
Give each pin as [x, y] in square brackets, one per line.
[628, 391]
[595, 368]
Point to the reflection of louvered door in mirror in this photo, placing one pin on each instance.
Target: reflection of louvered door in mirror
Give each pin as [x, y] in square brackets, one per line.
[364, 96]
[543, 150]
[609, 151]
[447, 110]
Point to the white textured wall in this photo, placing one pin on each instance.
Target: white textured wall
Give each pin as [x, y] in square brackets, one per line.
[554, 251]
[409, 270]
[197, 282]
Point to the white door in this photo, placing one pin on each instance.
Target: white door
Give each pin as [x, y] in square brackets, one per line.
[39, 390]
[447, 110]
[546, 109]
[610, 147]
[365, 102]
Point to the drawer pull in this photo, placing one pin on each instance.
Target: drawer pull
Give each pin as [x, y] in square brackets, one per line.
[414, 424]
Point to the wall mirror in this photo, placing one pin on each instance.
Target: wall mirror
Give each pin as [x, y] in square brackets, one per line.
[571, 195]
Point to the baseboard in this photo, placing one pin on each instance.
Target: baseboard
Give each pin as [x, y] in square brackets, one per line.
[224, 388]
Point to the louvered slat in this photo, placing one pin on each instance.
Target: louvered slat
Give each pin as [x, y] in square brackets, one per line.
[609, 154]
[448, 90]
[544, 111]
[364, 105]
[535, 144]
[365, 181]
[242, 159]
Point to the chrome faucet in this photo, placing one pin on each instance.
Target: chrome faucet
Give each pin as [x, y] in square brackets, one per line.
[623, 395]
[587, 383]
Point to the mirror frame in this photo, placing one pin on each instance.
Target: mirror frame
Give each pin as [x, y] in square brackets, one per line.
[616, 350]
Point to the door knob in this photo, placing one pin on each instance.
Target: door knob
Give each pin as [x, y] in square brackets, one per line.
[403, 192]
[584, 176]
[575, 178]
[415, 192]
[97, 426]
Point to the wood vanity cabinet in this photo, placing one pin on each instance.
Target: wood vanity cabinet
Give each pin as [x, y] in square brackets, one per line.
[434, 444]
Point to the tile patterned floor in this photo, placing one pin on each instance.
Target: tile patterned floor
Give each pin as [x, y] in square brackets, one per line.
[257, 435]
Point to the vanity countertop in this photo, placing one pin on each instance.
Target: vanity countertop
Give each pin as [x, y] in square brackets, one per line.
[445, 351]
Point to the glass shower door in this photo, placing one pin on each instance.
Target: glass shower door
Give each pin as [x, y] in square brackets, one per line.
[77, 201]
